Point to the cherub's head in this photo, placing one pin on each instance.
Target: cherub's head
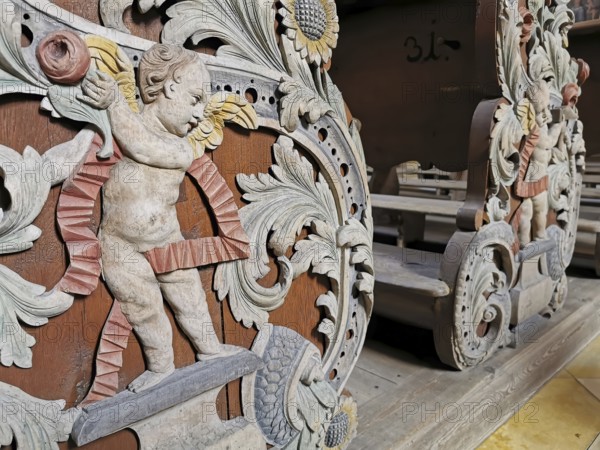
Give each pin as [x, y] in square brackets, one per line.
[539, 95]
[173, 80]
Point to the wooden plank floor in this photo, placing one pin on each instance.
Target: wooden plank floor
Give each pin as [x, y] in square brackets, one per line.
[407, 398]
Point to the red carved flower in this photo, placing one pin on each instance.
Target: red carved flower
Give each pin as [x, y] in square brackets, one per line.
[63, 57]
[584, 71]
[570, 94]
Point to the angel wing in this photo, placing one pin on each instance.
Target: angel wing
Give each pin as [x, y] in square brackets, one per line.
[221, 108]
[108, 57]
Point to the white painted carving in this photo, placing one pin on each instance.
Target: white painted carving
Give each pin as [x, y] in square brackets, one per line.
[281, 204]
[289, 399]
[27, 179]
[247, 29]
[31, 422]
[28, 303]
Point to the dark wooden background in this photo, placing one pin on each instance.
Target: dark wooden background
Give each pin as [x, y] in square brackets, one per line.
[64, 354]
[584, 42]
[420, 108]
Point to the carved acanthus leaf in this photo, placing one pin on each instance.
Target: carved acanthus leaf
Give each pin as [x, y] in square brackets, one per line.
[28, 302]
[553, 62]
[27, 179]
[504, 154]
[246, 26]
[15, 73]
[28, 189]
[511, 71]
[65, 102]
[32, 423]
[281, 205]
[336, 100]
[319, 251]
[300, 101]
[513, 118]
[329, 302]
[358, 236]
[111, 13]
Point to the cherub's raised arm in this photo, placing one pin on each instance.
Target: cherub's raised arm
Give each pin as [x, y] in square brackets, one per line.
[142, 144]
[137, 141]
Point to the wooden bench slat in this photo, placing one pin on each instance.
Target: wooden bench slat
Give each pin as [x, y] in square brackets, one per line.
[434, 184]
[414, 270]
[448, 208]
[590, 193]
[588, 225]
[591, 179]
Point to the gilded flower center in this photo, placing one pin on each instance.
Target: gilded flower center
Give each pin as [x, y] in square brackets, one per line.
[311, 18]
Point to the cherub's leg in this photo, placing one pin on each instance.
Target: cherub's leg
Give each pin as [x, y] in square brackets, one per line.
[133, 283]
[184, 292]
[525, 222]
[540, 215]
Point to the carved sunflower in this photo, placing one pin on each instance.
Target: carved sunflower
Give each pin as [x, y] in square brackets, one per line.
[313, 27]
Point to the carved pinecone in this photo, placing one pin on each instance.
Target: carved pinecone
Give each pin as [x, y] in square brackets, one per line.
[337, 431]
[311, 18]
[281, 360]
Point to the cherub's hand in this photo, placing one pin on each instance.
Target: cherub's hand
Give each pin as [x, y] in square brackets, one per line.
[100, 90]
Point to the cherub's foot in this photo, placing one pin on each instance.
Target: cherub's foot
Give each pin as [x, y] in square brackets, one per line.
[224, 350]
[148, 379]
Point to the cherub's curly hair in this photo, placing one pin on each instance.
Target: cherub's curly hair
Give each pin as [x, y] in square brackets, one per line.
[159, 64]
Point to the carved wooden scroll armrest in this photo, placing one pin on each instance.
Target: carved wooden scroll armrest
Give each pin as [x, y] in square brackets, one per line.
[232, 242]
[470, 216]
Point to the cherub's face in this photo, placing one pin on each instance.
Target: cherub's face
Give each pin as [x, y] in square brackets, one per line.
[542, 104]
[183, 104]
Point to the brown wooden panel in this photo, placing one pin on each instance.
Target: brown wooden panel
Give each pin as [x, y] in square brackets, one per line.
[584, 44]
[64, 355]
[420, 77]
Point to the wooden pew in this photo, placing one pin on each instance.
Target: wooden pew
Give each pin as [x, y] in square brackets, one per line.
[430, 216]
[472, 93]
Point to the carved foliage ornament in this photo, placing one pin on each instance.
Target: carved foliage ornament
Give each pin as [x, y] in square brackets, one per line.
[86, 72]
[532, 205]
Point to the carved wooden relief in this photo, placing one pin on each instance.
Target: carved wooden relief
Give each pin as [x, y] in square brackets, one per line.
[517, 245]
[154, 116]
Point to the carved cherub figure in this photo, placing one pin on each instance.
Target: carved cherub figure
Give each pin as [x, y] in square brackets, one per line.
[139, 212]
[542, 140]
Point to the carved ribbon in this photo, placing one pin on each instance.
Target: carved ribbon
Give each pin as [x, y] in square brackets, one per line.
[109, 358]
[76, 206]
[529, 189]
[232, 242]
[75, 209]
